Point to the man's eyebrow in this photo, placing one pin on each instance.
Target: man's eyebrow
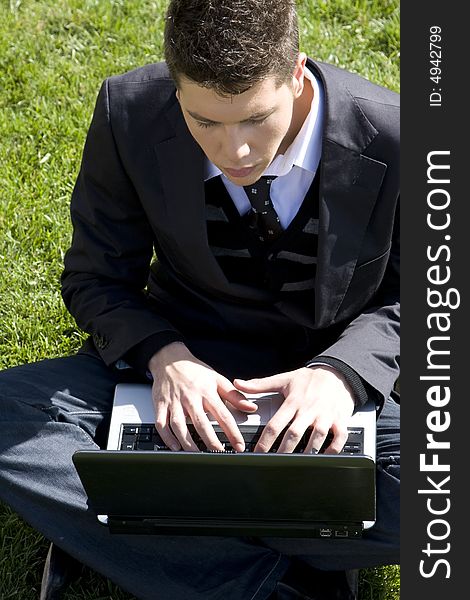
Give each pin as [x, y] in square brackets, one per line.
[253, 117]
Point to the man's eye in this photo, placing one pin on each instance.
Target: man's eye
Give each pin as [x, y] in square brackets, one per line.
[205, 125]
[258, 121]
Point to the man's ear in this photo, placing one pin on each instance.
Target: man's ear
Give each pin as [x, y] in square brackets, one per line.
[298, 77]
[177, 94]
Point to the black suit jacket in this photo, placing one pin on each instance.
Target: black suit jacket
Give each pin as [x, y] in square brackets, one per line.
[140, 189]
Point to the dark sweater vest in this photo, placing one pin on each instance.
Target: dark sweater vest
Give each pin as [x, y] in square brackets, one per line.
[286, 267]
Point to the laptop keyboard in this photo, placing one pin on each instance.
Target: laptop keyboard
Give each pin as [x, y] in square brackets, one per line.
[144, 436]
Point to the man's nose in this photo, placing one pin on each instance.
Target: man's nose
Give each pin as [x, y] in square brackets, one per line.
[236, 146]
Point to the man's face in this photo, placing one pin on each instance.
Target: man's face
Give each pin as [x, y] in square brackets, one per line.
[242, 134]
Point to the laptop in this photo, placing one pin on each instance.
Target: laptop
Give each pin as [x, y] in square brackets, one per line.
[138, 485]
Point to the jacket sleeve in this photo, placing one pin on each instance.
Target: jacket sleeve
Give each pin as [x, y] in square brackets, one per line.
[370, 344]
[107, 266]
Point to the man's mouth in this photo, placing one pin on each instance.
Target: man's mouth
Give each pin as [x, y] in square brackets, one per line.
[240, 173]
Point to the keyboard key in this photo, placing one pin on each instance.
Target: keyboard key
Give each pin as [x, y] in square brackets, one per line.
[128, 439]
[350, 450]
[144, 445]
[130, 429]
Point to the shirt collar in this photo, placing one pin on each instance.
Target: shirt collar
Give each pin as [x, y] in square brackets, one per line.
[305, 150]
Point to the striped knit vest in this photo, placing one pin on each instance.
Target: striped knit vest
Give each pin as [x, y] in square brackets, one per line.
[285, 267]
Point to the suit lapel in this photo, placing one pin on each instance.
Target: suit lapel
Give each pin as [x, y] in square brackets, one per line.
[349, 186]
[347, 197]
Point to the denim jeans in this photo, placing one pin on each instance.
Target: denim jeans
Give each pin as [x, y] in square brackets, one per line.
[52, 408]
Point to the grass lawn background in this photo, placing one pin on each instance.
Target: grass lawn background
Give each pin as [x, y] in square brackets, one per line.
[54, 55]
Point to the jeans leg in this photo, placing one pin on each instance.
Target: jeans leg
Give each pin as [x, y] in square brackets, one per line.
[379, 545]
[50, 409]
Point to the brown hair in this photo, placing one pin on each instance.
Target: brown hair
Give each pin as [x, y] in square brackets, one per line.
[230, 45]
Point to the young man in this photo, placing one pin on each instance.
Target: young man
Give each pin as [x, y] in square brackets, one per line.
[298, 293]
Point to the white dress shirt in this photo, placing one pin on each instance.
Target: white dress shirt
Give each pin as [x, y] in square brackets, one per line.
[294, 170]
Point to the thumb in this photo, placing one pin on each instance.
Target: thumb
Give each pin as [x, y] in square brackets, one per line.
[275, 383]
[230, 394]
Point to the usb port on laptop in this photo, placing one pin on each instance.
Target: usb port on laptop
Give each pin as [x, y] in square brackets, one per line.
[343, 533]
[326, 532]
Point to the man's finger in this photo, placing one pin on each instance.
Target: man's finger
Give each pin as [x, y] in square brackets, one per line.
[226, 420]
[238, 401]
[204, 428]
[294, 434]
[340, 437]
[273, 429]
[318, 436]
[162, 425]
[230, 394]
[179, 427]
[275, 383]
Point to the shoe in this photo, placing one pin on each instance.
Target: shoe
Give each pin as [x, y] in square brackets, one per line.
[303, 582]
[59, 570]
[339, 585]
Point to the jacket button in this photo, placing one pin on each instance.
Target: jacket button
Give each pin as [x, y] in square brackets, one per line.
[100, 342]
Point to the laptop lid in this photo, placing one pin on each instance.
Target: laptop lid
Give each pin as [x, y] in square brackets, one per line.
[229, 494]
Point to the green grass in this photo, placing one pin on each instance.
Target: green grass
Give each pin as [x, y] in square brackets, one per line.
[53, 56]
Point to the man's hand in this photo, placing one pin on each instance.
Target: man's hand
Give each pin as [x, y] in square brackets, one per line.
[185, 386]
[314, 396]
